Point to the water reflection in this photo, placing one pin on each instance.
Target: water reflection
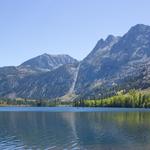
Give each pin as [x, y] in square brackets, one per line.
[70, 130]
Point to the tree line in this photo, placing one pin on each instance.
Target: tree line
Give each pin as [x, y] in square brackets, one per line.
[132, 99]
[33, 103]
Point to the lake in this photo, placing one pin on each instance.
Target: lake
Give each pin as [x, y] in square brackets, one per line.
[67, 128]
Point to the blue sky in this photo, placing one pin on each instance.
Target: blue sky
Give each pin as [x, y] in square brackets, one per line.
[32, 27]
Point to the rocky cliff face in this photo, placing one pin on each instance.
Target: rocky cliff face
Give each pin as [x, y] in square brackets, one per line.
[121, 62]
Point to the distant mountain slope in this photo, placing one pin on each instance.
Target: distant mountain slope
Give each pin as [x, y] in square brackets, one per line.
[47, 85]
[8, 79]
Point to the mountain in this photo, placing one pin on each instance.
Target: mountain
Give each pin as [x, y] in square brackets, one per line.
[115, 60]
[91, 67]
[53, 84]
[46, 62]
[116, 63]
[45, 76]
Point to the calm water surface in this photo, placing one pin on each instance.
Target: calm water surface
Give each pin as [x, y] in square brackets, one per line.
[74, 128]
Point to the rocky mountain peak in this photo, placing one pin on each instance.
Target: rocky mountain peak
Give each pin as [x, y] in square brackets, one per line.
[110, 38]
[103, 43]
[140, 28]
[137, 31]
[46, 62]
[102, 48]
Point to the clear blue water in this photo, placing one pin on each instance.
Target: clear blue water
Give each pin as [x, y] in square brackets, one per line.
[68, 128]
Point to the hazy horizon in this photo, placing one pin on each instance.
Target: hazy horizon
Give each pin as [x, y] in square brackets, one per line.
[33, 27]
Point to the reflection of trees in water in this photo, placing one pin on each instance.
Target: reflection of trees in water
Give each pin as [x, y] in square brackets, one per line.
[43, 129]
[114, 128]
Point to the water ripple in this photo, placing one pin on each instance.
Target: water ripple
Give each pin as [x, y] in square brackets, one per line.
[75, 130]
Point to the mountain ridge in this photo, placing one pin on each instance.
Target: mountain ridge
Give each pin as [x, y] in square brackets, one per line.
[115, 63]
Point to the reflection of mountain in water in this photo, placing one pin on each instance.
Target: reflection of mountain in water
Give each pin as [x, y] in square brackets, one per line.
[128, 130]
